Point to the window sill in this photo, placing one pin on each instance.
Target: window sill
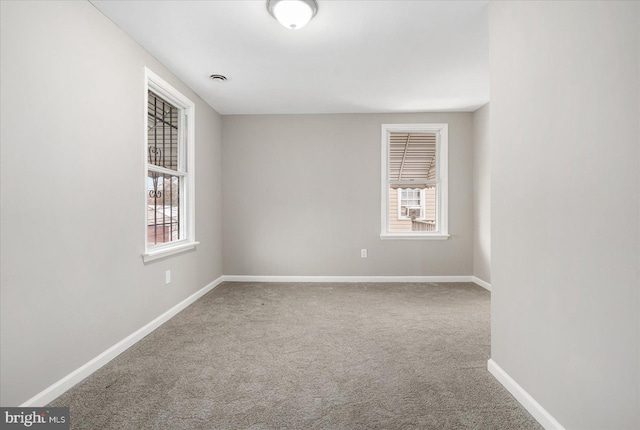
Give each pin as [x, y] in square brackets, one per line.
[414, 236]
[165, 252]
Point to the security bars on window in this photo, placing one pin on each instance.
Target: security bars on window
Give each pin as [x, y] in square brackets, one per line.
[164, 174]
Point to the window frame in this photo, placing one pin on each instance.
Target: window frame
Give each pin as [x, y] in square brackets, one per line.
[441, 181]
[186, 167]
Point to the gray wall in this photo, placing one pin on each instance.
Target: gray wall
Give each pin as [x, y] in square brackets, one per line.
[481, 195]
[302, 197]
[72, 229]
[565, 205]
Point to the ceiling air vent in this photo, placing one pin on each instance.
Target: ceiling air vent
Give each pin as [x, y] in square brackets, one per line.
[218, 78]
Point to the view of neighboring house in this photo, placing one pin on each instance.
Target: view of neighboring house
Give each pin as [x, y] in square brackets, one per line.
[412, 157]
[395, 214]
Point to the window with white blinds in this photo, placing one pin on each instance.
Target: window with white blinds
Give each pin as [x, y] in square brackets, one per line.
[414, 181]
[169, 163]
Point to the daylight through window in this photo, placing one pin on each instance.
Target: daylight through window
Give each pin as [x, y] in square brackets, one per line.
[169, 196]
[163, 190]
[414, 181]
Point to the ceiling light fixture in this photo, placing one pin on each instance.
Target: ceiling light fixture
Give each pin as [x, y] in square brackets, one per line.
[293, 14]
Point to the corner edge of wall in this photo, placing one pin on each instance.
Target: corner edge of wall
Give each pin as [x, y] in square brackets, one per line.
[536, 410]
[483, 284]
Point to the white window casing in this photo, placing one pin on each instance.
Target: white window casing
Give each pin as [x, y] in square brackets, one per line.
[417, 179]
[184, 169]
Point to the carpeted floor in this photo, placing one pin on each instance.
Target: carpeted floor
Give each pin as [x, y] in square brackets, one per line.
[308, 356]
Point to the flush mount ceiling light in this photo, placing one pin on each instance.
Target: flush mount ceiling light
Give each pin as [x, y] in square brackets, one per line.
[293, 14]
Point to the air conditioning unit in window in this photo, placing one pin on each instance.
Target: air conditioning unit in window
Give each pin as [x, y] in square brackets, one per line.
[413, 213]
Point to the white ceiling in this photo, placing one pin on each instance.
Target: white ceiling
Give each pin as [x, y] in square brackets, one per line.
[354, 56]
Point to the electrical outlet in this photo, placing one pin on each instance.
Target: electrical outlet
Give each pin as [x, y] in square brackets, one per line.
[363, 253]
[167, 277]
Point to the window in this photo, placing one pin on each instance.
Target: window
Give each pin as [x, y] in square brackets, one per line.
[169, 172]
[414, 181]
[411, 203]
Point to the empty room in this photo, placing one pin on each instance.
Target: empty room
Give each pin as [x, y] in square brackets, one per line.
[319, 214]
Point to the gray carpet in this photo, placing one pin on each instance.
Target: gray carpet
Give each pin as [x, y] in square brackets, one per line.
[308, 356]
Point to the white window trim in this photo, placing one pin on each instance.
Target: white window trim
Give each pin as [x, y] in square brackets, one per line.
[442, 194]
[162, 88]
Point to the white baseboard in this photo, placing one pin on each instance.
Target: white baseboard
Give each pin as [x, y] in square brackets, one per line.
[56, 389]
[252, 278]
[483, 284]
[535, 409]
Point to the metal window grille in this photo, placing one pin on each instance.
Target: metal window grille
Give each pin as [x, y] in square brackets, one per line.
[164, 177]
